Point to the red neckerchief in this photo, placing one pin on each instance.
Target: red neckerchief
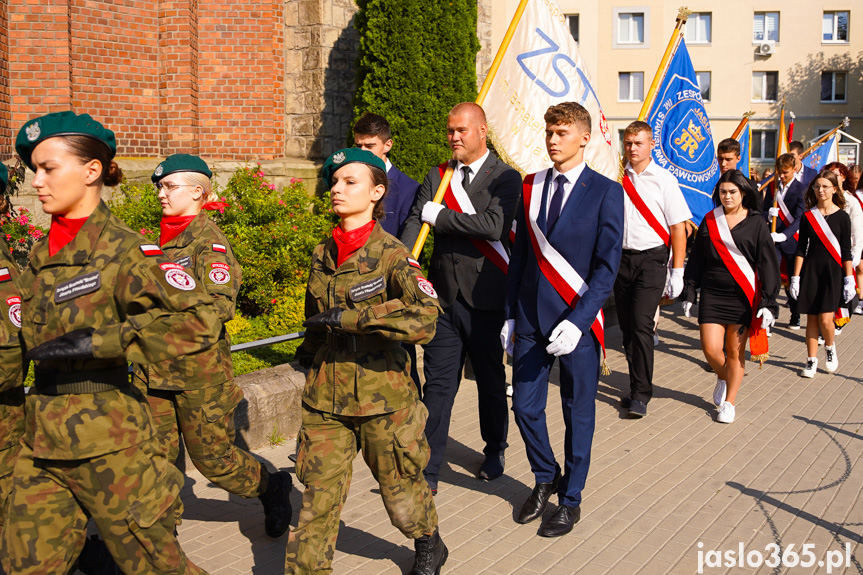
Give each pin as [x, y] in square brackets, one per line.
[63, 230]
[172, 226]
[348, 243]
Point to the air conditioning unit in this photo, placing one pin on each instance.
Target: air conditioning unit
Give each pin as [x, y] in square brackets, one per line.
[766, 49]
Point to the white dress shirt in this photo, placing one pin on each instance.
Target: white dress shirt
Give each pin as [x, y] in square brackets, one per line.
[658, 188]
[852, 208]
[388, 164]
[571, 177]
[474, 167]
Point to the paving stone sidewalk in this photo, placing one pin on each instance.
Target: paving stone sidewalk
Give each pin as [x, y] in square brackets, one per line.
[786, 472]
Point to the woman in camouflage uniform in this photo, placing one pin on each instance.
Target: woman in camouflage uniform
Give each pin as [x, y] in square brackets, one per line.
[94, 297]
[196, 394]
[365, 296]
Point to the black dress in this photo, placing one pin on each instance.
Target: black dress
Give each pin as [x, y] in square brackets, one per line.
[722, 299]
[821, 278]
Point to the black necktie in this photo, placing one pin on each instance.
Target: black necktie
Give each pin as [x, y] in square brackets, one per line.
[465, 179]
[556, 203]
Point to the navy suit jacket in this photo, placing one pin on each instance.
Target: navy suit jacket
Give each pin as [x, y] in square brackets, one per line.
[794, 200]
[809, 174]
[589, 235]
[401, 192]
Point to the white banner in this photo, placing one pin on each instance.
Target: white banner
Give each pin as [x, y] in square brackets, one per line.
[542, 67]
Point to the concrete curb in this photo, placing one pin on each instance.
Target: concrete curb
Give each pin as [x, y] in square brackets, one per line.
[271, 407]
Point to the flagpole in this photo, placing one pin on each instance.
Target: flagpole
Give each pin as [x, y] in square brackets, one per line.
[483, 92]
[741, 125]
[783, 138]
[682, 14]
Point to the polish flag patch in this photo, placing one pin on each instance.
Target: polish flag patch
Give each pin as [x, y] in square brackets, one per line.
[220, 248]
[5, 276]
[151, 250]
[414, 263]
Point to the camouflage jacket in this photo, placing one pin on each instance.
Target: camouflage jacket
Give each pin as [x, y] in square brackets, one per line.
[386, 300]
[143, 308]
[203, 250]
[11, 359]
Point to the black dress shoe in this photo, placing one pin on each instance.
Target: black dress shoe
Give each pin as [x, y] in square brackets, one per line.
[561, 522]
[535, 505]
[625, 402]
[492, 467]
[637, 409]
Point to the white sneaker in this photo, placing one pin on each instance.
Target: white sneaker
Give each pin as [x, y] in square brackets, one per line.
[859, 310]
[655, 339]
[719, 392]
[811, 367]
[837, 330]
[832, 363]
[726, 413]
[820, 341]
[509, 390]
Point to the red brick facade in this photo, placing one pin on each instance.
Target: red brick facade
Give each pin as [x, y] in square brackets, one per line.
[197, 76]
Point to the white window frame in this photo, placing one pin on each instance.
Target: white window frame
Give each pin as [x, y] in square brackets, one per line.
[835, 31]
[617, 12]
[761, 134]
[569, 24]
[694, 19]
[709, 84]
[766, 38]
[764, 85]
[833, 74]
[630, 99]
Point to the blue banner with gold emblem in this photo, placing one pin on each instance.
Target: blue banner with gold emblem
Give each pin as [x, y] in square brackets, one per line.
[745, 140]
[684, 142]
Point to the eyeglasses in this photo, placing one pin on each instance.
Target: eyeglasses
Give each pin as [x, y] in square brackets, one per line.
[828, 187]
[170, 187]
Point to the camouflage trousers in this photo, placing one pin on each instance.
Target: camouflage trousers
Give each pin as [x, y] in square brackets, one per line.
[11, 430]
[205, 417]
[132, 495]
[395, 449]
[7, 464]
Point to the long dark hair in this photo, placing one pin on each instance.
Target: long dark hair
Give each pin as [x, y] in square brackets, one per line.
[751, 197]
[811, 200]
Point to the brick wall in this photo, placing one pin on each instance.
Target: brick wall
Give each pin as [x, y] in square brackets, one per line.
[5, 123]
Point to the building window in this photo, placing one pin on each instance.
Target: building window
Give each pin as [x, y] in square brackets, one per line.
[833, 86]
[704, 84]
[834, 27]
[763, 144]
[630, 87]
[572, 21]
[630, 28]
[698, 28]
[764, 86]
[765, 27]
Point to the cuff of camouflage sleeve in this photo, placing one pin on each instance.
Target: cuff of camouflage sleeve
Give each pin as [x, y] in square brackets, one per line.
[351, 320]
[106, 342]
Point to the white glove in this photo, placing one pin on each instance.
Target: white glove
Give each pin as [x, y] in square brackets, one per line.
[687, 309]
[850, 289]
[563, 339]
[794, 287]
[675, 283]
[767, 319]
[773, 212]
[431, 211]
[778, 238]
[506, 334]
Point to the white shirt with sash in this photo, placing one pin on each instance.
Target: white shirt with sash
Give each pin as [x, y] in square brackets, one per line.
[661, 193]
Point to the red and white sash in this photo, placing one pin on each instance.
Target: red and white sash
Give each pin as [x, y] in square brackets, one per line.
[456, 199]
[732, 257]
[560, 274]
[650, 217]
[784, 212]
[831, 242]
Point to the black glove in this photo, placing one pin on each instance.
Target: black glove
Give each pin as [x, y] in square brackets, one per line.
[77, 344]
[332, 318]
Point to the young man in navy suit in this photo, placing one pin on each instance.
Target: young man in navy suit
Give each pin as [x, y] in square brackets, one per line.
[573, 217]
[789, 192]
[803, 174]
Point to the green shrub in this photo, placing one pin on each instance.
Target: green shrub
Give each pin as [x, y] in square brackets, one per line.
[417, 60]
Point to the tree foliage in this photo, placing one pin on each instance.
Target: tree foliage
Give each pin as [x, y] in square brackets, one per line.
[417, 60]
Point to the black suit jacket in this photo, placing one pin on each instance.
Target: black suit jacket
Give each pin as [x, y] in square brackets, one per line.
[457, 266]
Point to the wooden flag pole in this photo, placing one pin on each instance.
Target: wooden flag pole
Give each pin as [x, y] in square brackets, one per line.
[742, 124]
[486, 86]
[783, 137]
[682, 14]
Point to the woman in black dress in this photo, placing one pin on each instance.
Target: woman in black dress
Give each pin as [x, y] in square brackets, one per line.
[823, 277]
[735, 237]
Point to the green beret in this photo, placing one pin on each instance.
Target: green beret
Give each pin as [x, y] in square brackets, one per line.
[4, 177]
[66, 123]
[349, 156]
[180, 163]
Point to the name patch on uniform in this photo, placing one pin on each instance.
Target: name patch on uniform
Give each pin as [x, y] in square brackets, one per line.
[5, 276]
[220, 274]
[184, 261]
[14, 303]
[365, 290]
[426, 287]
[76, 287]
[220, 248]
[151, 250]
[414, 263]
